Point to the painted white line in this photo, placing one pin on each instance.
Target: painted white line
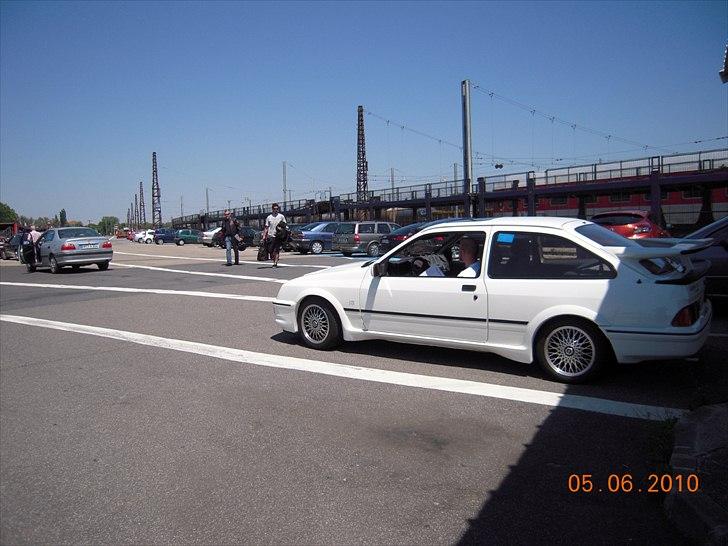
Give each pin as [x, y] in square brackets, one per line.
[215, 260]
[204, 274]
[597, 405]
[193, 293]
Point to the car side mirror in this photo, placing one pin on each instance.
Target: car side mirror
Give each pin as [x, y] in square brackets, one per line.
[379, 269]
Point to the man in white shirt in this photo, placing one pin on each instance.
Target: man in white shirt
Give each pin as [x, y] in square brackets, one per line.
[269, 233]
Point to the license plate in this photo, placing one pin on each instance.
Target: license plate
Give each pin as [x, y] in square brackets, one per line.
[89, 246]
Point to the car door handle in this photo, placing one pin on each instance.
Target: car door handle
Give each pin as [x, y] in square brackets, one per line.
[468, 288]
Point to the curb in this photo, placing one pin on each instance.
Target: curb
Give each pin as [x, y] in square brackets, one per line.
[701, 448]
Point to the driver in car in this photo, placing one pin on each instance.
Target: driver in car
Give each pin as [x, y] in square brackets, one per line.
[468, 255]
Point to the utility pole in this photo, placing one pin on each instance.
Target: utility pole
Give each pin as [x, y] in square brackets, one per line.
[362, 166]
[207, 200]
[391, 178]
[156, 195]
[454, 172]
[181, 209]
[228, 204]
[284, 185]
[467, 145]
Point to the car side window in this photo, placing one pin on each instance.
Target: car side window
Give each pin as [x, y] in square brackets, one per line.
[437, 255]
[330, 228]
[48, 236]
[366, 228]
[383, 228]
[525, 255]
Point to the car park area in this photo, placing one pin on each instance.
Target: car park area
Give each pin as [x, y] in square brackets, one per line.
[167, 377]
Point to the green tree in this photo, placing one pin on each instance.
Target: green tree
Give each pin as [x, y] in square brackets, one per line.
[7, 214]
[107, 223]
[63, 219]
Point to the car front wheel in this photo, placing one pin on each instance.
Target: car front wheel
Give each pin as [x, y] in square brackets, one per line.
[318, 324]
[572, 350]
[181, 242]
[317, 247]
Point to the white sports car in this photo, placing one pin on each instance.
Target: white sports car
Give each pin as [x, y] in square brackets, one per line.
[568, 293]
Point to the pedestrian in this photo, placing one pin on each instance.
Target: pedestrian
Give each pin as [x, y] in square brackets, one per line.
[35, 234]
[274, 233]
[229, 234]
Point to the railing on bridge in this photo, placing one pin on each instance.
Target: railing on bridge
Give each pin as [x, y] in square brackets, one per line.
[454, 190]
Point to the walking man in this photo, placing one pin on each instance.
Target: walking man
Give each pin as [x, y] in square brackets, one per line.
[229, 230]
[275, 223]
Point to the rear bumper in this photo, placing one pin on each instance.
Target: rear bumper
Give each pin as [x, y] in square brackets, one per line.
[636, 346]
[349, 247]
[85, 258]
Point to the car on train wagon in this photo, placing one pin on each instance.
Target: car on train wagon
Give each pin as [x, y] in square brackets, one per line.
[71, 246]
[565, 292]
[633, 224]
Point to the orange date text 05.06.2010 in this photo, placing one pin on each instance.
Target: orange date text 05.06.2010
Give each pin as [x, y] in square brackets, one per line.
[626, 483]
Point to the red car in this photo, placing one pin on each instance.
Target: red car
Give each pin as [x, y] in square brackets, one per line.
[633, 224]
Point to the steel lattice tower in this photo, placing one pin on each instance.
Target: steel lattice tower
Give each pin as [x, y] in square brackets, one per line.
[128, 218]
[142, 210]
[131, 216]
[362, 167]
[136, 211]
[156, 195]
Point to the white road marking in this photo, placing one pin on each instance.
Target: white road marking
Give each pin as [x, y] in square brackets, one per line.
[553, 399]
[215, 260]
[193, 293]
[245, 277]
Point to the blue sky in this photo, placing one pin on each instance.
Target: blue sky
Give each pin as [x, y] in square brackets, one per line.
[225, 92]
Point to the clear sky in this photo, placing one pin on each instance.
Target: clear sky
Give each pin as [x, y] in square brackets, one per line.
[225, 92]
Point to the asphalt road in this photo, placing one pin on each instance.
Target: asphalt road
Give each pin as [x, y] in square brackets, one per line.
[113, 439]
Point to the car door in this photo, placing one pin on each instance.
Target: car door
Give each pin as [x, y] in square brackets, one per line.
[44, 246]
[327, 233]
[408, 303]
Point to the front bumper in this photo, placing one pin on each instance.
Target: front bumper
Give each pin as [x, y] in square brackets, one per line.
[285, 315]
[636, 346]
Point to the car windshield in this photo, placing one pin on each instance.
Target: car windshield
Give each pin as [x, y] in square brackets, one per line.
[70, 233]
[618, 219]
[603, 236]
[412, 228]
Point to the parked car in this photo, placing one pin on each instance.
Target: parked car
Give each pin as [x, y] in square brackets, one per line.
[74, 246]
[716, 278]
[9, 247]
[633, 224]
[388, 242]
[164, 235]
[144, 236]
[567, 293]
[246, 233]
[130, 235]
[208, 237]
[351, 237]
[188, 236]
[314, 238]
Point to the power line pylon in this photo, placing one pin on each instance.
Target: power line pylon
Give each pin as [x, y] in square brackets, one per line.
[362, 166]
[156, 195]
[128, 218]
[142, 210]
[136, 211]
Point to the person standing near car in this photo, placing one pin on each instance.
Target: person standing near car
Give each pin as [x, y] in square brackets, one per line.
[229, 231]
[271, 233]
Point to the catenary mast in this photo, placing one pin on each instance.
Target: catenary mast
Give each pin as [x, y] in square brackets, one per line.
[156, 195]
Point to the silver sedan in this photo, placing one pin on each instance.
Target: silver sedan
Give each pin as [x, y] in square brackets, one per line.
[72, 246]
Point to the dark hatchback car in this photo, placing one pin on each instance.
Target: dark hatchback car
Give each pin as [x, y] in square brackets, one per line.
[247, 237]
[164, 235]
[716, 280]
[388, 242]
[9, 248]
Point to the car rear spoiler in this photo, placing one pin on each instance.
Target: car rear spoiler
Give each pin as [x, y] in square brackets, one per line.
[660, 248]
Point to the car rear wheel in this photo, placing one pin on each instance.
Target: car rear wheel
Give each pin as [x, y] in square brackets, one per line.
[318, 324]
[103, 266]
[181, 242]
[55, 268]
[572, 350]
[159, 241]
[373, 250]
[317, 247]
[147, 241]
[30, 268]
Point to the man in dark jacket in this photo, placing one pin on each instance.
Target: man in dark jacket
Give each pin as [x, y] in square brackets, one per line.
[229, 232]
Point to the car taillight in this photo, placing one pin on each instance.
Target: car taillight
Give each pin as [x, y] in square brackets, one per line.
[68, 246]
[357, 239]
[687, 315]
[107, 244]
[399, 237]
